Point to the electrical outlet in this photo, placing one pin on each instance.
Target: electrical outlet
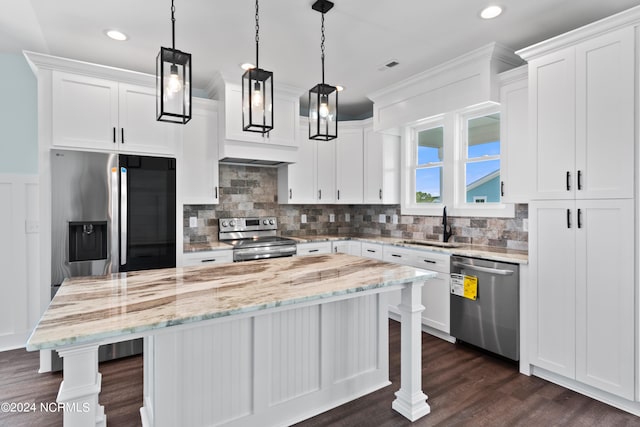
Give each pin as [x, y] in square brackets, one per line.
[303, 219]
[347, 217]
[525, 224]
[394, 219]
[382, 218]
[193, 221]
[332, 218]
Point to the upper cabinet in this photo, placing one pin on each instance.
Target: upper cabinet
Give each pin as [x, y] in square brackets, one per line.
[581, 118]
[326, 170]
[199, 167]
[381, 167]
[101, 114]
[297, 182]
[349, 166]
[515, 173]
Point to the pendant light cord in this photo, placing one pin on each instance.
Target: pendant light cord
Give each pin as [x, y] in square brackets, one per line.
[322, 47]
[257, 33]
[173, 26]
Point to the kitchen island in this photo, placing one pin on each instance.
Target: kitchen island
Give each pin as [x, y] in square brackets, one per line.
[267, 342]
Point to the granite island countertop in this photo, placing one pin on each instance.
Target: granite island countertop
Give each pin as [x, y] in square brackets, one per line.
[91, 309]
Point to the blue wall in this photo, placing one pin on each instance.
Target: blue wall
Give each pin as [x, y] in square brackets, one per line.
[491, 189]
[18, 116]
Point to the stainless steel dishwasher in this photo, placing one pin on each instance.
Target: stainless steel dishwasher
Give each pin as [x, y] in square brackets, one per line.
[492, 320]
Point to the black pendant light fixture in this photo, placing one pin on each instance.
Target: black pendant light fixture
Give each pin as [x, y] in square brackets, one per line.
[173, 81]
[257, 94]
[323, 98]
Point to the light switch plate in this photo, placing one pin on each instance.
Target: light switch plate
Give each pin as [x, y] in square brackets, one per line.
[347, 217]
[303, 219]
[525, 224]
[394, 219]
[382, 218]
[193, 221]
[332, 218]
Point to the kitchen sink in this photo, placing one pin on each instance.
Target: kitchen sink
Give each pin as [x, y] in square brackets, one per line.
[433, 243]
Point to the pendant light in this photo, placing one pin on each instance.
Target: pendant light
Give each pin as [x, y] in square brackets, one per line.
[323, 98]
[257, 94]
[173, 81]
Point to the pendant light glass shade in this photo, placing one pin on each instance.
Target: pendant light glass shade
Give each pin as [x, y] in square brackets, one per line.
[257, 93]
[257, 100]
[323, 98]
[323, 112]
[173, 82]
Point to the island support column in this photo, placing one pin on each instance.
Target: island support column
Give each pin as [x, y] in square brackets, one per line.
[78, 394]
[410, 401]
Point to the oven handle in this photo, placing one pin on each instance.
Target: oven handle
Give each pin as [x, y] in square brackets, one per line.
[497, 271]
[282, 250]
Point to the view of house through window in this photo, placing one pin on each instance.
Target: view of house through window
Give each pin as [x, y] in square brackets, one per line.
[429, 165]
[482, 160]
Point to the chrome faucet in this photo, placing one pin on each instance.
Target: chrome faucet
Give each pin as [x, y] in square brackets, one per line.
[446, 228]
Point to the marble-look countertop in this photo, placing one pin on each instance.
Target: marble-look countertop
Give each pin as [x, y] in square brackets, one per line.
[215, 245]
[91, 309]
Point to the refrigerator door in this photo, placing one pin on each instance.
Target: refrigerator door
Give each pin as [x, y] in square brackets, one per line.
[147, 212]
[81, 216]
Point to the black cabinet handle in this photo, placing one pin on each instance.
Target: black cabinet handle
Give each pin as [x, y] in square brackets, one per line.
[313, 250]
[579, 218]
[579, 180]
[396, 255]
[380, 194]
[114, 134]
[209, 260]
[122, 135]
[568, 218]
[568, 181]
[216, 190]
[319, 194]
[290, 193]
[502, 188]
[371, 250]
[338, 194]
[429, 261]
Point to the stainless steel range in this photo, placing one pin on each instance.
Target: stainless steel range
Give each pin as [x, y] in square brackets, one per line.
[255, 238]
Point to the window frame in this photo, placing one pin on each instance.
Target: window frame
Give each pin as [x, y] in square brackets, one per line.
[454, 162]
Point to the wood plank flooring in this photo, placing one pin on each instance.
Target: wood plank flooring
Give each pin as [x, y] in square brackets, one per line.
[466, 387]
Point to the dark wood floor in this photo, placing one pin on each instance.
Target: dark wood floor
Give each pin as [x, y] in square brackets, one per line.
[466, 387]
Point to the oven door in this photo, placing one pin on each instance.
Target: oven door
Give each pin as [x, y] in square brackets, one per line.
[260, 252]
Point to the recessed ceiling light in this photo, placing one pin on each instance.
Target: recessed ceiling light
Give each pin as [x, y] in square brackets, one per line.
[490, 12]
[339, 88]
[116, 35]
[247, 66]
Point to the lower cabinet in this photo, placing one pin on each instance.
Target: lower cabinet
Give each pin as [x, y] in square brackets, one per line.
[351, 247]
[371, 250]
[222, 256]
[314, 248]
[581, 307]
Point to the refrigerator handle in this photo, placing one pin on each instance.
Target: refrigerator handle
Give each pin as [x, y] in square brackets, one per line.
[123, 215]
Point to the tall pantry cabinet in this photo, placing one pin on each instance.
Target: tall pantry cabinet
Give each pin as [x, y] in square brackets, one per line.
[582, 93]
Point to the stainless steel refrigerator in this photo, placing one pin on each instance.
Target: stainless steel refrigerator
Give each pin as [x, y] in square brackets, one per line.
[111, 213]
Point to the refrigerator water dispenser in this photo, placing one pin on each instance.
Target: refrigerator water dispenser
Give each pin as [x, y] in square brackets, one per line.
[87, 241]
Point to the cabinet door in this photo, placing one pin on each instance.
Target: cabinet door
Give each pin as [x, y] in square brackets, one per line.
[199, 169]
[381, 168]
[514, 142]
[326, 171]
[297, 181]
[605, 296]
[84, 111]
[553, 291]
[605, 115]
[140, 132]
[286, 122]
[552, 125]
[436, 302]
[349, 167]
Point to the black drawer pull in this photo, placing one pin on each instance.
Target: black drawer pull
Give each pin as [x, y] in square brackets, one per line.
[396, 255]
[313, 250]
[371, 250]
[208, 260]
[429, 261]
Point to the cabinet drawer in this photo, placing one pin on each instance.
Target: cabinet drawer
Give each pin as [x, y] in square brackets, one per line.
[371, 250]
[209, 257]
[397, 254]
[315, 248]
[431, 261]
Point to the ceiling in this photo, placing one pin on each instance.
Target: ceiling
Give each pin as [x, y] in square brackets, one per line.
[361, 35]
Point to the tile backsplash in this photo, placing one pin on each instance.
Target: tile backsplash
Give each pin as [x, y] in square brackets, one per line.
[247, 191]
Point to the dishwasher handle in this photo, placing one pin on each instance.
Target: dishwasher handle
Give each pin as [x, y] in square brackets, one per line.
[490, 270]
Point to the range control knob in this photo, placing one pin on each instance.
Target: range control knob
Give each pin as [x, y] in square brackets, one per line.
[224, 223]
[265, 221]
[271, 222]
[232, 223]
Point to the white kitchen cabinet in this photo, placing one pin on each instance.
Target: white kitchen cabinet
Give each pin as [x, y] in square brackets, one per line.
[582, 296]
[326, 164]
[381, 167]
[515, 167]
[101, 114]
[314, 248]
[199, 168]
[222, 256]
[349, 166]
[371, 250]
[582, 118]
[297, 182]
[351, 247]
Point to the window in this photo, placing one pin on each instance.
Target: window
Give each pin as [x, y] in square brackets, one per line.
[453, 160]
